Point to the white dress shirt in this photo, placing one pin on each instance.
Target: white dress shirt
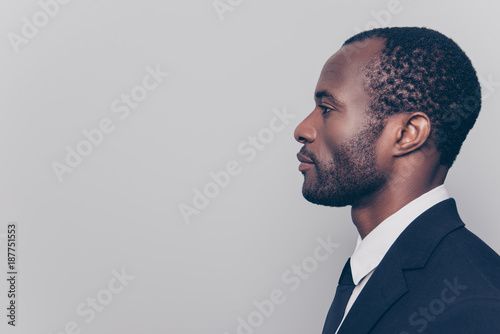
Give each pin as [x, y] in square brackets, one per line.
[370, 250]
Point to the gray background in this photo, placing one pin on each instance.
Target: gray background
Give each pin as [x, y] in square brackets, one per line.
[120, 207]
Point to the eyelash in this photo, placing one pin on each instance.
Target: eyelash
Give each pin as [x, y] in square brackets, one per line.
[326, 110]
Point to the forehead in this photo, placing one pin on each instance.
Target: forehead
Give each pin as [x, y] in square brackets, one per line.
[345, 68]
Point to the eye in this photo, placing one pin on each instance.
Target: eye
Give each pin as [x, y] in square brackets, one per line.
[326, 110]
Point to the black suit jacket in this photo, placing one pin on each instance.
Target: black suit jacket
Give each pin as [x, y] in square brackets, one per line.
[437, 277]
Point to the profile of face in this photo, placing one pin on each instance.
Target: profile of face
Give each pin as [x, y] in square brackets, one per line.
[340, 137]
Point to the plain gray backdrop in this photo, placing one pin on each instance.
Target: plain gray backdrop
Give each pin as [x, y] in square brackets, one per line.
[118, 209]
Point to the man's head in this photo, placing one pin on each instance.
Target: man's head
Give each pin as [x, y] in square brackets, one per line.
[386, 96]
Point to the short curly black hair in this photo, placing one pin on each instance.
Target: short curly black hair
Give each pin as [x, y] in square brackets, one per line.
[420, 69]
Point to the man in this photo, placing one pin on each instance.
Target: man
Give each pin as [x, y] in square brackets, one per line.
[393, 107]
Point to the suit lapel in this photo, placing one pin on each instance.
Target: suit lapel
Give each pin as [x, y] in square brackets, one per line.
[411, 250]
[386, 285]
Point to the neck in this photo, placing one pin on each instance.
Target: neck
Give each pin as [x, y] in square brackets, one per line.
[370, 211]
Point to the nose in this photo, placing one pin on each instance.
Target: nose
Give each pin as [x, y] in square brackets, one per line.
[305, 131]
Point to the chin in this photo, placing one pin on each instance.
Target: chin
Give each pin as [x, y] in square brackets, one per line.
[316, 197]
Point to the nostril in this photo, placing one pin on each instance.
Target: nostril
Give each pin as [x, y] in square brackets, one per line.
[305, 131]
[299, 132]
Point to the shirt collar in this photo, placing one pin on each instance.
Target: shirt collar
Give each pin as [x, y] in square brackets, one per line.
[370, 250]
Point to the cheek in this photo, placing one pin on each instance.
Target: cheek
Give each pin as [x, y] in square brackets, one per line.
[339, 130]
[330, 144]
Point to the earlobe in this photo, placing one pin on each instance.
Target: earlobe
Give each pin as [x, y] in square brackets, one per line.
[413, 132]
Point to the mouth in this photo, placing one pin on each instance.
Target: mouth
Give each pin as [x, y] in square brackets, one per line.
[305, 162]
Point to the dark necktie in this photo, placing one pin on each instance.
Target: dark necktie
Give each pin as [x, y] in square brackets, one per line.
[342, 295]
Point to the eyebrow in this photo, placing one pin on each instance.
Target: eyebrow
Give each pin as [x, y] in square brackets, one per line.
[326, 94]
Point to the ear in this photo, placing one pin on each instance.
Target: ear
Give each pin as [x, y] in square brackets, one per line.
[412, 131]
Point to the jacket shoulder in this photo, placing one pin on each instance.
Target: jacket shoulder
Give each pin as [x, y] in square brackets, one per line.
[464, 250]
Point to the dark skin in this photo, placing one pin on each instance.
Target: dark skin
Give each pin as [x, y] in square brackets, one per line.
[404, 151]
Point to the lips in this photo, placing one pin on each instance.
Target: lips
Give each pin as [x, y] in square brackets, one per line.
[303, 158]
[305, 162]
